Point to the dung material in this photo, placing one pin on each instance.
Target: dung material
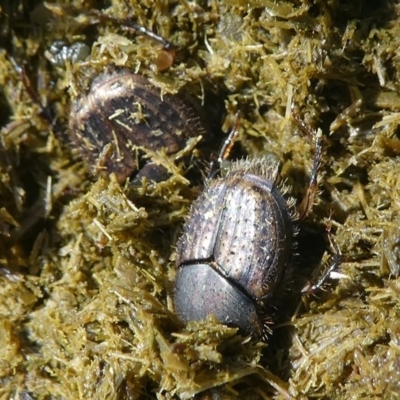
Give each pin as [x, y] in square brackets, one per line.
[87, 265]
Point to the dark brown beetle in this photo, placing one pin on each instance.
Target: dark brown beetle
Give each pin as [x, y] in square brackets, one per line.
[122, 111]
[237, 244]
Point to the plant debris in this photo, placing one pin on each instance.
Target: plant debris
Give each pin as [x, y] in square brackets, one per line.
[86, 264]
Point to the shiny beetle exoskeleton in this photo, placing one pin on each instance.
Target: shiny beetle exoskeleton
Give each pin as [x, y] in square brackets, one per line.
[237, 244]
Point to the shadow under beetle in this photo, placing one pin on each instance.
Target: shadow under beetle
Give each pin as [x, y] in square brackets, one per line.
[238, 242]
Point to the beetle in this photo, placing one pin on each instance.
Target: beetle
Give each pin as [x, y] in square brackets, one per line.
[238, 242]
[123, 111]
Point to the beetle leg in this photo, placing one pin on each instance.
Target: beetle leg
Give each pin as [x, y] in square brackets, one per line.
[45, 111]
[308, 199]
[334, 261]
[226, 149]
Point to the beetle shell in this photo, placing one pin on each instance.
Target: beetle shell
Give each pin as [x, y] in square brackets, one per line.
[236, 246]
[123, 110]
[202, 290]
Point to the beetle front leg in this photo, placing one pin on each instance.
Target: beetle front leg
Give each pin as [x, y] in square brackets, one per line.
[226, 148]
[308, 199]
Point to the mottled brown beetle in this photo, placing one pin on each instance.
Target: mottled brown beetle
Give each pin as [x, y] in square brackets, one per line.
[123, 111]
[238, 242]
